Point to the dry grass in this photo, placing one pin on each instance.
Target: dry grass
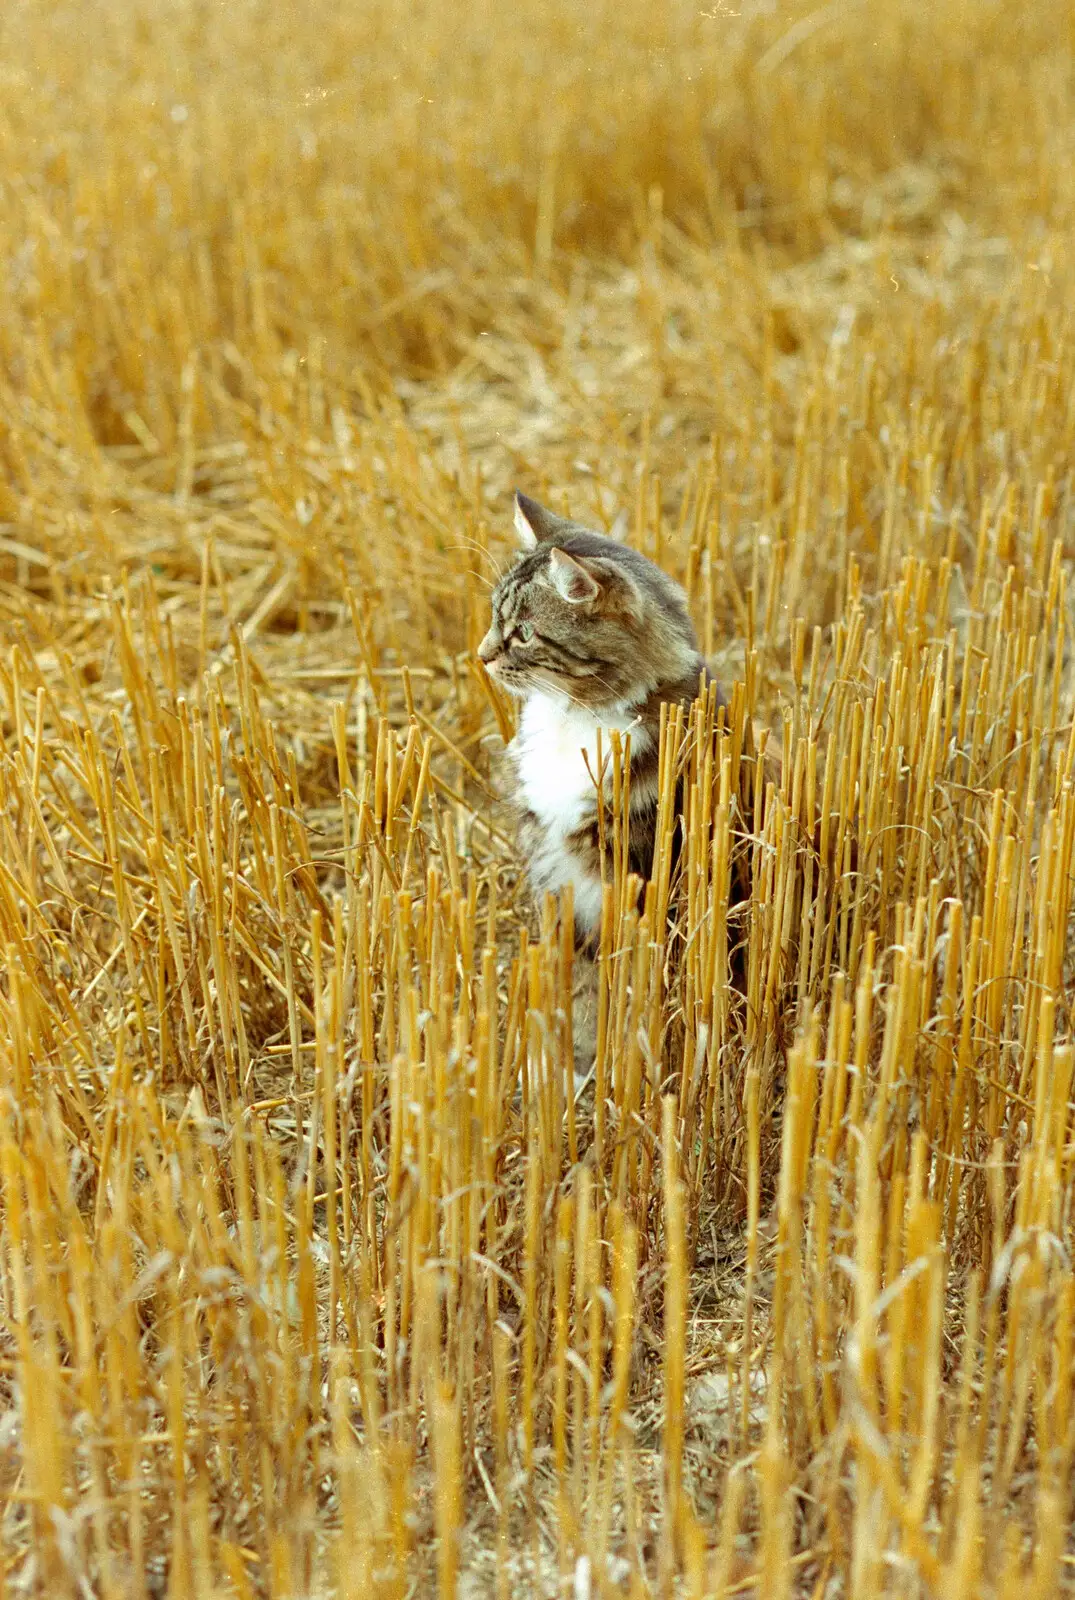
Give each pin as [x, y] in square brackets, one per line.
[313, 1280]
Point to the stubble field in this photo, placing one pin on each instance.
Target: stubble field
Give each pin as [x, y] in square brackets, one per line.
[313, 1280]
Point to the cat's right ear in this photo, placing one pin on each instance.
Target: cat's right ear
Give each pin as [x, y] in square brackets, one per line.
[571, 580]
[533, 523]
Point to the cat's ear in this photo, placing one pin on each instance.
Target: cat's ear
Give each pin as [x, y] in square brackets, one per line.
[570, 578]
[534, 524]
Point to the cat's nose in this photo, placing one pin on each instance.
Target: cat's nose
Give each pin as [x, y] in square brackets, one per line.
[490, 646]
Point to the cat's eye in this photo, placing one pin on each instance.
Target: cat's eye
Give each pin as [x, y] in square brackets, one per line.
[525, 632]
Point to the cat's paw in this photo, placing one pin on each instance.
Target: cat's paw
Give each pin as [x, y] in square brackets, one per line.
[584, 1077]
[583, 1080]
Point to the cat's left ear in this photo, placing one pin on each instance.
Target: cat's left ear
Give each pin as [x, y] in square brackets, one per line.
[571, 580]
[534, 523]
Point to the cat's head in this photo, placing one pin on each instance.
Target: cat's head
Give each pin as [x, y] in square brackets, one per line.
[584, 616]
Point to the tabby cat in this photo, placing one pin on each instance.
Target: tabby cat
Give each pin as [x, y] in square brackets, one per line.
[590, 635]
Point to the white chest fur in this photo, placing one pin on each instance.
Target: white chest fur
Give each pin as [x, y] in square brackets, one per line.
[556, 785]
[551, 750]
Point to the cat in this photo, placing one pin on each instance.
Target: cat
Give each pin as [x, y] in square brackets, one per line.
[589, 634]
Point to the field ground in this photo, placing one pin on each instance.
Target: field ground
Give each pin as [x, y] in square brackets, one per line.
[312, 1281]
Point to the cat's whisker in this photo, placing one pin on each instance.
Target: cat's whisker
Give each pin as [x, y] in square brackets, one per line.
[555, 686]
[474, 544]
[596, 677]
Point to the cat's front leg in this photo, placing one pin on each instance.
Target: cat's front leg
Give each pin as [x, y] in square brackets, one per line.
[584, 993]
